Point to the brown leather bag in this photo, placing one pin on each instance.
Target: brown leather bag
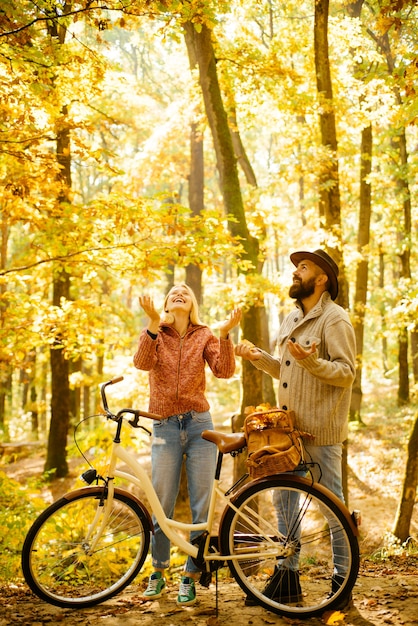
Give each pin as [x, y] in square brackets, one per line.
[274, 444]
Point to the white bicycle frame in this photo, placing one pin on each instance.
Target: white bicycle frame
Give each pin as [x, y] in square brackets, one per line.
[170, 527]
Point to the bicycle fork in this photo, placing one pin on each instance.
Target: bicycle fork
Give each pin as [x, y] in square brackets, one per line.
[96, 527]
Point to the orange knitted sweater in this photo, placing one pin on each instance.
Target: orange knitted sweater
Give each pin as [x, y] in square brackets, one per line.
[176, 367]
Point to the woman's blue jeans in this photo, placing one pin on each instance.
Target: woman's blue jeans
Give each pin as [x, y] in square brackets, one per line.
[176, 438]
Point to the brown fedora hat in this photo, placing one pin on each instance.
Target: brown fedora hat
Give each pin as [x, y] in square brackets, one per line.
[325, 262]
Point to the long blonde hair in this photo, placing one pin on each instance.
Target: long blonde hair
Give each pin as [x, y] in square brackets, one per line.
[168, 318]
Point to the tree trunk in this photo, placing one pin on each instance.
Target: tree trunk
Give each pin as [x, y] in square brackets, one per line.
[363, 240]
[56, 460]
[382, 311]
[403, 384]
[29, 393]
[200, 47]
[196, 199]
[5, 368]
[405, 258]
[5, 393]
[87, 373]
[252, 385]
[414, 352]
[239, 149]
[409, 490]
[203, 52]
[329, 188]
[34, 412]
[399, 144]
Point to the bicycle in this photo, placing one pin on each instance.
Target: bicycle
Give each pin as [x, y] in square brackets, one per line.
[91, 543]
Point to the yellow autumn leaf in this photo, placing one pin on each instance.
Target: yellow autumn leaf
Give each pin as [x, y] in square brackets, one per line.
[333, 617]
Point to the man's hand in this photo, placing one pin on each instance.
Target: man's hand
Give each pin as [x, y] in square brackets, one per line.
[298, 352]
[247, 351]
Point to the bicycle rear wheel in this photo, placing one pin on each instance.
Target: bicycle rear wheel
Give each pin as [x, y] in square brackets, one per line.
[293, 545]
[58, 561]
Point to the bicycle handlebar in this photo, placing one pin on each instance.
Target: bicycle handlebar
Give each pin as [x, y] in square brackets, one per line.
[137, 413]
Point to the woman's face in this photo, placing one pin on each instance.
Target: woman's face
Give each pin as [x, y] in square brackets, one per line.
[178, 299]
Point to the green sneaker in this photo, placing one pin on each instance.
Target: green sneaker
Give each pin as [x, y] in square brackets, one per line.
[156, 586]
[187, 592]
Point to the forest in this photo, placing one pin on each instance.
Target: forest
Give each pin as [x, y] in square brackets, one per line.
[145, 143]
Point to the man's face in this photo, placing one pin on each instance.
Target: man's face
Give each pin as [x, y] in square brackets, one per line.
[304, 280]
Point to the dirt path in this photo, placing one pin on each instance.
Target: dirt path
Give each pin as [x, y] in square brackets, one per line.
[386, 591]
[383, 595]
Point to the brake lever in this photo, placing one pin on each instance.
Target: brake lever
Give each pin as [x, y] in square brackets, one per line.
[134, 423]
[146, 430]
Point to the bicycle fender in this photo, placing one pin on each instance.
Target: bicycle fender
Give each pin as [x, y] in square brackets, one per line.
[71, 495]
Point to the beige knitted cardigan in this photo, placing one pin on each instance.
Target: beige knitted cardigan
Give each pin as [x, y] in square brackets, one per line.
[317, 388]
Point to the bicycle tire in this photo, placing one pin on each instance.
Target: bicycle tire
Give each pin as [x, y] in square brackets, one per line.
[298, 571]
[56, 562]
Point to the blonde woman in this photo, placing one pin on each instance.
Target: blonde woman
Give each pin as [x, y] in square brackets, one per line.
[174, 349]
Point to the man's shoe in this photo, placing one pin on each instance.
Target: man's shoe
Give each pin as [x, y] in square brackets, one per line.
[156, 587]
[283, 587]
[187, 592]
[344, 602]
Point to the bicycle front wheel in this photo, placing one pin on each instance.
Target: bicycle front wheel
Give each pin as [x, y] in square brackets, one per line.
[292, 544]
[78, 554]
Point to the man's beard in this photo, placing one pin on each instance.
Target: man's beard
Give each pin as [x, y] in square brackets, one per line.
[301, 290]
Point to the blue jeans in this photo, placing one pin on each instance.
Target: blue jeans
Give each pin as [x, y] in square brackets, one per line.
[175, 438]
[329, 459]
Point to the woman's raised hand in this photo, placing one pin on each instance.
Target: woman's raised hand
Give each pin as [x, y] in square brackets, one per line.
[147, 304]
[230, 323]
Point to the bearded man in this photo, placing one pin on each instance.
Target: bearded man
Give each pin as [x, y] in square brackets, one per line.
[316, 370]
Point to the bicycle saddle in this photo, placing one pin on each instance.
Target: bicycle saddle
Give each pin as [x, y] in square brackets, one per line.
[226, 442]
